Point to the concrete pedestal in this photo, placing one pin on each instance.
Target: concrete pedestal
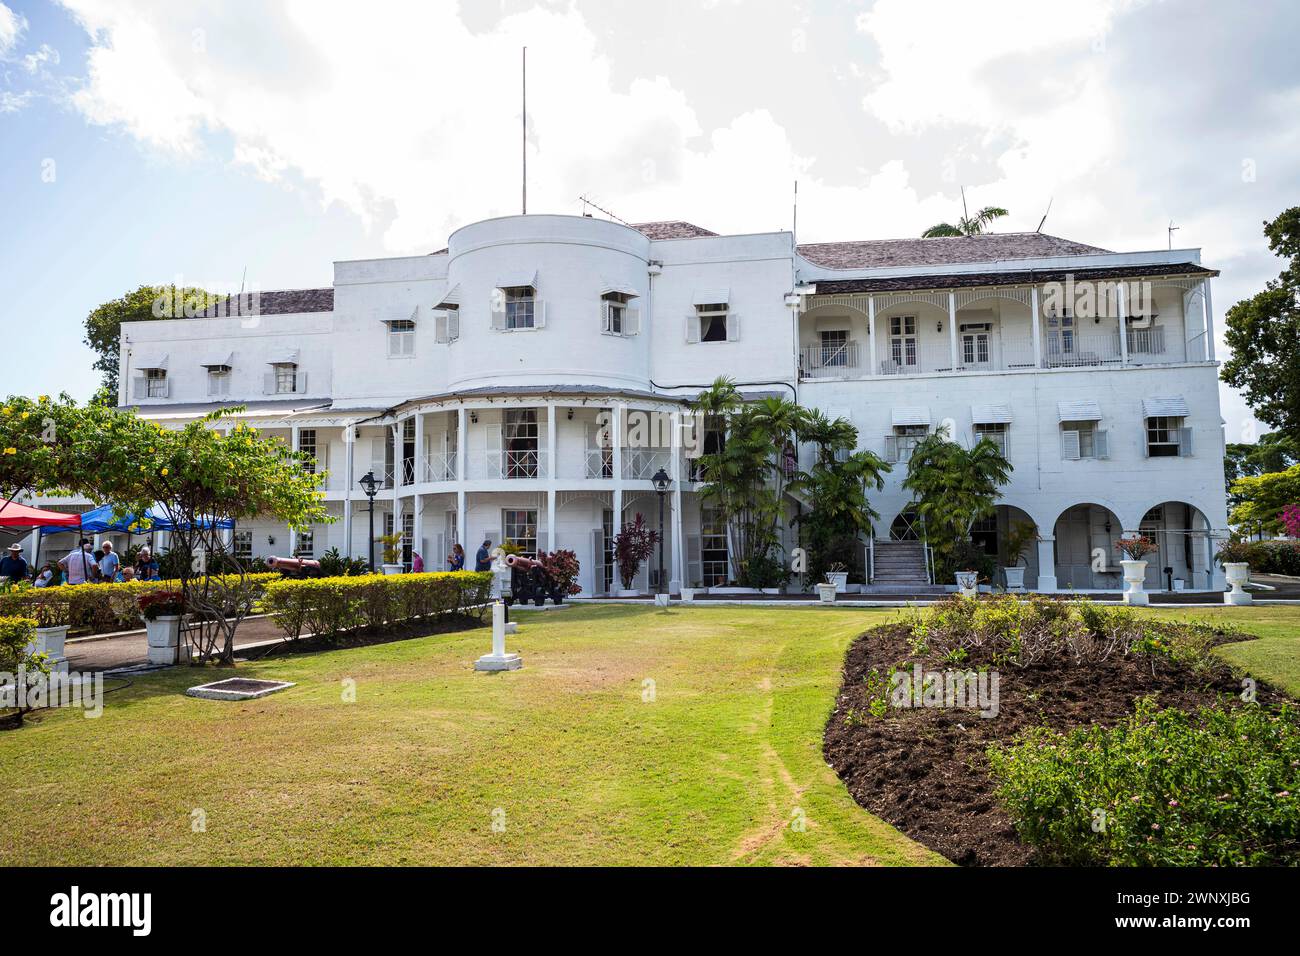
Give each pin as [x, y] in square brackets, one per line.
[164, 638]
[50, 641]
[499, 660]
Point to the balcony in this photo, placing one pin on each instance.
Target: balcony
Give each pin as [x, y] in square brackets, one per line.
[438, 466]
[836, 360]
[507, 464]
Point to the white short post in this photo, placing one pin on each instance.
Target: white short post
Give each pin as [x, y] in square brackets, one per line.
[498, 660]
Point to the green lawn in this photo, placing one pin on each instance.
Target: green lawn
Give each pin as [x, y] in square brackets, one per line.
[712, 771]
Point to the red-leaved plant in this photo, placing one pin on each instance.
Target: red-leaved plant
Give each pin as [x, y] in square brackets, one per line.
[634, 544]
[1291, 520]
[156, 604]
[1135, 549]
[562, 568]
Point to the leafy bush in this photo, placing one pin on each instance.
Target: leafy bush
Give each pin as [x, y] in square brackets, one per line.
[99, 608]
[1164, 788]
[1136, 548]
[16, 634]
[333, 564]
[633, 545]
[155, 604]
[331, 607]
[562, 568]
[1264, 557]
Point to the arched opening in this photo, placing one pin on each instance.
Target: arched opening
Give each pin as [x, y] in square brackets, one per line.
[1086, 559]
[1010, 537]
[906, 527]
[1185, 559]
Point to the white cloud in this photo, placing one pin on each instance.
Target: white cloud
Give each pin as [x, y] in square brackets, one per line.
[13, 102]
[34, 62]
[12, 26]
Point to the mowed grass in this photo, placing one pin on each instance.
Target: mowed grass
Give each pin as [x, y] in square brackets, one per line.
[1274, 657]
[581, 769]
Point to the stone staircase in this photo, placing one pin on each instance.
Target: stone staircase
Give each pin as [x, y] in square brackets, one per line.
[900, 566]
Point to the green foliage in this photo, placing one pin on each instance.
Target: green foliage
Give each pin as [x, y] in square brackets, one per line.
[1273, 451]
[331, 607]
[1264, 557]
[1261, 498]
[104, 324]
[966, 225]
[16, 634]
[392, 547]
[952, 488]
[333, 564]
[1163, 788]
[1263, 335]
[1020, 539]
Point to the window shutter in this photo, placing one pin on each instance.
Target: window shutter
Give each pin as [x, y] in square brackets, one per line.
[1070, 444]
[604, 316]
[632, 322]
[694, 561]
[1185, 442]
[490, 535]
[891, 448]
[539, 314]
[492, 442]
[300, 383]
[139, 388]
[499, 318]
[453, 325]
[268, 383]
[1101, 444]
[733, 327]
[1146, 449]
[542, 543]
[441, 332]
[692, 329]
[598, 561]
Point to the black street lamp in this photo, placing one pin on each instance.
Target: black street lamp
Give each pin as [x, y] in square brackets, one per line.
[371, 487]
[661, 482]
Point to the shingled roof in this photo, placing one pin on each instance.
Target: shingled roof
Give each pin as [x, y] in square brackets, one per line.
[672, 229]
[946, 250]
[286, 301]
[966, 280]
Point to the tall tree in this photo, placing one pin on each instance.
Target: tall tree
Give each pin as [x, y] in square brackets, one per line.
[967, 225]
[1264, 335]
[1273, 451]
[149, 302]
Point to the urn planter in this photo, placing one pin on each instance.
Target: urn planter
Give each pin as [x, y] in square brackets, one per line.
[840, 579]
[661, 600]
[688, 594]
[163, 635]
[968, 583]
[51, 641]
[1015, 579]
[1135, 575]
[392, 569]
[1238, 574]
[826, 592]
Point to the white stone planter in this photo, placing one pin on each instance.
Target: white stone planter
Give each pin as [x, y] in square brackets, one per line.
[163, 635]
[1238, 573]
[661, 600]
[968, 583]
[827, 593]
[628, 592]
[1015, 578]
[840, 579]
[51, 641]
[392, 569]
[1135, 575]
[688, 594]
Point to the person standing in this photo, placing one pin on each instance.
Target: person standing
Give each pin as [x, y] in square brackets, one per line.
[13, 566]
[417, 563]
[146, 568]
[78, 565]
[483, 559]
[109, 564]
[456, 560]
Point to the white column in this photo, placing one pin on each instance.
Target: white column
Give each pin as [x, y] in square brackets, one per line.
[675, 472]
[349, 446]
[1209, 320]
[551, 543]
[397, 478]
[873, 368]
[617, 438]
[1123, 322]
[1037, 320]
[1046, 564]
[418, 532]
[293, 534]
[952, 328]
[462, 516]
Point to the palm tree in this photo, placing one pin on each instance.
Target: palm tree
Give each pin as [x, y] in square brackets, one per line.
[966, 225]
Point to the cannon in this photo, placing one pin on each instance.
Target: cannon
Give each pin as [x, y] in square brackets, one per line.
[294, 567]
[530, 582]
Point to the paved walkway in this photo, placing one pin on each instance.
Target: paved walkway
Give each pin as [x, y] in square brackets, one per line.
[132, 650]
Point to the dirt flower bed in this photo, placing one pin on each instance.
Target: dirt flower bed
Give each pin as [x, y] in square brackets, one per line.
[925, 769]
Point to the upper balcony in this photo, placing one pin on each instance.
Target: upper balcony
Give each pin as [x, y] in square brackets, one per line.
[999, 329]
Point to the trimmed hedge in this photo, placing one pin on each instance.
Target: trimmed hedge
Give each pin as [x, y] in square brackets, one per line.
[1265, 557]
[93, 608]
[330, 607]
[1164, 788]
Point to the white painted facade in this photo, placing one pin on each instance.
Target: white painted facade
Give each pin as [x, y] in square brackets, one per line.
[433, 410]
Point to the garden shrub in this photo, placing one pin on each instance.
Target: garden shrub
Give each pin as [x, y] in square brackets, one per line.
[16, 634]
[1163, 788]
[1264, 557]
[331, 607]
[96, 608]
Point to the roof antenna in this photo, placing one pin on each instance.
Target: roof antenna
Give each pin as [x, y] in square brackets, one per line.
[587, 202]
[524, 126]
[1172, 229]
[964, 214]
[1045, 215]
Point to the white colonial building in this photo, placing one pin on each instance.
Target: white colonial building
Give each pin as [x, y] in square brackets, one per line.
[472, 382]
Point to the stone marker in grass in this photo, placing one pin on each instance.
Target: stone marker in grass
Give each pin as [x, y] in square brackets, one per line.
[498, 660]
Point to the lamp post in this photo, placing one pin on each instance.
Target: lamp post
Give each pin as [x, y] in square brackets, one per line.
[661, 481]
[371, 487]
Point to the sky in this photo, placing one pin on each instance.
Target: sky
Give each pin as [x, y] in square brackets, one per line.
[256, 142]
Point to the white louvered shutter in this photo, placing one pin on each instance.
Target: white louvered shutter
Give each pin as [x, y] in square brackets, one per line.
[891, 448]
[694, 561]
[453, 325]
[543, 541]
[140, 388]
[1101, 443]
[499, 317]
[492, 443]
[692, 329]
[441, 332]
[1185, 442]
[598, 561]
[605, 316]
[733, 327]
[1070, 444]
[300, 383]
[539, 314]
[632, 322]
[268, 383]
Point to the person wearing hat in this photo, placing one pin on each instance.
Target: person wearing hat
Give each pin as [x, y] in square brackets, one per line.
[13, 566]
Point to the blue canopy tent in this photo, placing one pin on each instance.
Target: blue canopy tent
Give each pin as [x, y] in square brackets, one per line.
[98, 520]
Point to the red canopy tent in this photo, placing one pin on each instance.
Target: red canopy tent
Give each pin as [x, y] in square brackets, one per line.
[14, 515]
